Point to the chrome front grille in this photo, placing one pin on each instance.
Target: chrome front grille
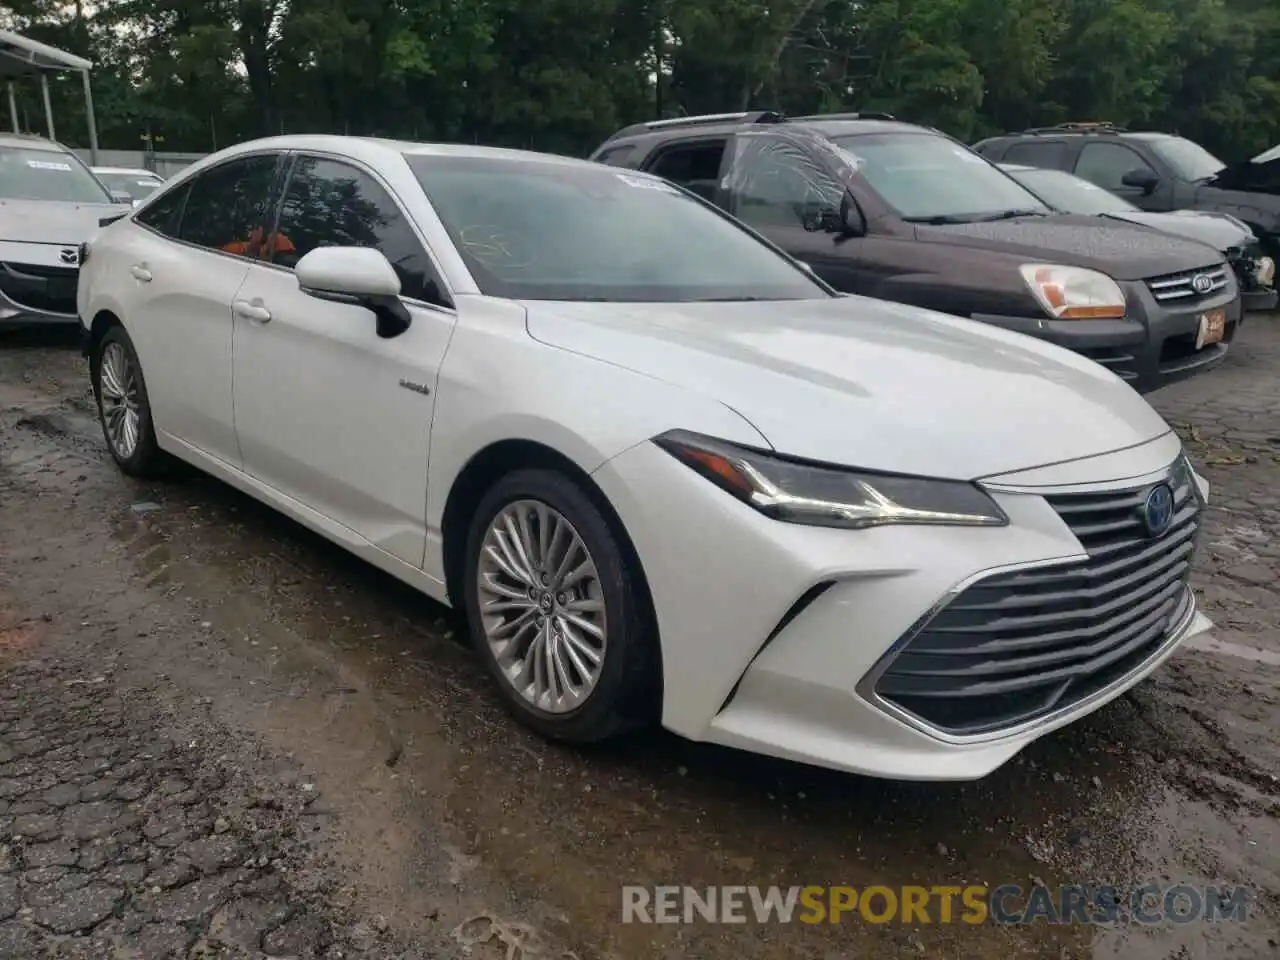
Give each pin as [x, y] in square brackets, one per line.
[1189, 285]
[1017, 646]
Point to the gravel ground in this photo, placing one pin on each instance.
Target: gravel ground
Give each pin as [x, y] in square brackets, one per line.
[222, 737]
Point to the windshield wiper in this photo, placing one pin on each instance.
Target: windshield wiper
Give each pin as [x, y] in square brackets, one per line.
[943, 218]
[948, 218]
[1010, 215]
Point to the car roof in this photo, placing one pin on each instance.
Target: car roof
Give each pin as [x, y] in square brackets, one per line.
[379, 148]
[1055, 132]
[30, 141]
[138, 171]
[716, 125]
[838, 128]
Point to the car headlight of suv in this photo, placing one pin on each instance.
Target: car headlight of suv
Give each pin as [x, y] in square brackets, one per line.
[1264, 271]
[827, 496]
[1074, 293]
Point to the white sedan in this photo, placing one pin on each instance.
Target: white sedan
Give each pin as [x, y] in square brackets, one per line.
[668, 473]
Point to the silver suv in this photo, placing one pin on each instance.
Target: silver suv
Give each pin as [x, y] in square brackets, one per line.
[49, 205]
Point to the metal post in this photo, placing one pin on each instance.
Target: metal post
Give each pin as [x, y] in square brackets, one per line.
[48, 108]
[93, 120]
[13, 107]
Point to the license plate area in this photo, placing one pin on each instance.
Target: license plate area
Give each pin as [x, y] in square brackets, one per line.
[1213, 327]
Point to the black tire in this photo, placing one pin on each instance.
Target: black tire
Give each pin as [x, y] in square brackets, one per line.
[147, 460]
[627, 693]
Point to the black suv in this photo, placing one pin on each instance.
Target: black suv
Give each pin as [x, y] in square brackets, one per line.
[1154, 171]
[905, 213]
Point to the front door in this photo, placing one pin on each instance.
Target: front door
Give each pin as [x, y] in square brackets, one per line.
[326, 411]
[1106, 162]
[776, 185]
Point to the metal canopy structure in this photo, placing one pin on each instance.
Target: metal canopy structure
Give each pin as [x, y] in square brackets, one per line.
[22, 57]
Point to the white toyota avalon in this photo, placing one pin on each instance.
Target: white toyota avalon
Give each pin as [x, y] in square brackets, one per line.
[668, 473]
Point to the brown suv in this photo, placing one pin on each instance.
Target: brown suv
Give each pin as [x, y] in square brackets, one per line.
[905, 213]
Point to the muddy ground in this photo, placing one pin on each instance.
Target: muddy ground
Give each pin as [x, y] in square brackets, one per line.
[221, 737]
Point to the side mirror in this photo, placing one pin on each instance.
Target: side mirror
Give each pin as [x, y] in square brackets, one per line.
[1142, 178]
[360, 276]
[122, 196]
[852, 222]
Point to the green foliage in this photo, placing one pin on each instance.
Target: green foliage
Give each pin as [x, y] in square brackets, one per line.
[559, 75]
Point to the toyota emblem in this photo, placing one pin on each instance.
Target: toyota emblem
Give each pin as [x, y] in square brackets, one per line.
[1156, 512]
[70, 256]
[1202, 283]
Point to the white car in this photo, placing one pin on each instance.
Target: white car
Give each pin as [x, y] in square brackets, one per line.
[667, 473]
[136, 182]
[49, 204]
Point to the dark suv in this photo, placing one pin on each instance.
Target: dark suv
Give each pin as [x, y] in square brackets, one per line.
[905, 213]
[1154, 171]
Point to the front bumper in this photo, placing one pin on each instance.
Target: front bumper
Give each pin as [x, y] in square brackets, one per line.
[1259, 301]
[1153, 346]
[37, 292]
[773, 634]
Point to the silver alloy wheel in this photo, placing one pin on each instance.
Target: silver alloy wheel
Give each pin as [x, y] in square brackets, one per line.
[542, 606]
[118, 387]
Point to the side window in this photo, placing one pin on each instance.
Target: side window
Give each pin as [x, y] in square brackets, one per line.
[1106, 164]
[774, 182]
[695, 166]
[616, 156]
[332, 204]
[165, 214]
[226, 206]
[1051, 154]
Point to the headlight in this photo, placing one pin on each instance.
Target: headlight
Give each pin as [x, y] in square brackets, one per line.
[1264, 271]
[1074, 293]
[826, 496]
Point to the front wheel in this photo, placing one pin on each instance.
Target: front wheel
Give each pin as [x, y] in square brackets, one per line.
[556, 609]
[123, 406]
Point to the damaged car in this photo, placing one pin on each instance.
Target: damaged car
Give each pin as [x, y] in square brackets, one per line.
[1157, 172]
[50, 204]
[1255, 271]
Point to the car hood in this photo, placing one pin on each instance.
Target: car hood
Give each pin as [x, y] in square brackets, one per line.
[1123, 251]
[1219, 230]
[47, 221]
[868, 383]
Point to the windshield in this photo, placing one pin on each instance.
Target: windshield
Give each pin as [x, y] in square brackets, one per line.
[555, 231]
[137, 185]
[927, 177]
[27, 174]
[1189, 160]
[1070, 194]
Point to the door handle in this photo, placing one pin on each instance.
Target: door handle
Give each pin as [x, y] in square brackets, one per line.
[251, 311]
[140, 272]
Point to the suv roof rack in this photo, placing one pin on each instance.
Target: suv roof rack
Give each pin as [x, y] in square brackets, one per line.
[1100, 126]
[753, 116]
[864, 115]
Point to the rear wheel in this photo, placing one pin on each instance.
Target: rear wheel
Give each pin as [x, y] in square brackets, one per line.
[556, 609]
[123, 406]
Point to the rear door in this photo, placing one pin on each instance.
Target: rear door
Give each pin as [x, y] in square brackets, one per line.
[185, 266]
[778, 185]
